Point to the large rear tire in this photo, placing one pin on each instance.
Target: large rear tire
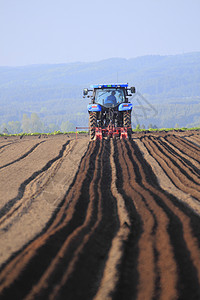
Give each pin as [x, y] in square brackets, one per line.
[127, 122]
[92, 124]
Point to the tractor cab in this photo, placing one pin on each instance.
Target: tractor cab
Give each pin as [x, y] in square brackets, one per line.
[109, 97]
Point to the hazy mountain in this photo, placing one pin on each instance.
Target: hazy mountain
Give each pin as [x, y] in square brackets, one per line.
[55, 91]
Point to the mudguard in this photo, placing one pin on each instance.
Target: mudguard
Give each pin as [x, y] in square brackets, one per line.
[94, 107]
[125, 106]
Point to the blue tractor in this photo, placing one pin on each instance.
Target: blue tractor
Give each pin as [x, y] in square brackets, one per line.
[109, 110]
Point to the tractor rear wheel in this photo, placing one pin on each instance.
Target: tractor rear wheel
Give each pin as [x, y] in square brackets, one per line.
[127, 122]
[92, 124]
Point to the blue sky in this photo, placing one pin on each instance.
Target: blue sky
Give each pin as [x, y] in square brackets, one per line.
[62, 31]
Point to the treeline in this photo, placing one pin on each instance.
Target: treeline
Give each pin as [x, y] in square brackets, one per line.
[34, 124]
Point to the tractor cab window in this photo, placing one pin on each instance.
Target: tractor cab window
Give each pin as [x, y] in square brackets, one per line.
[109, 97]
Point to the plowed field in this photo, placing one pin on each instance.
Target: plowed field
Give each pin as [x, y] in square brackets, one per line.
[116, 219]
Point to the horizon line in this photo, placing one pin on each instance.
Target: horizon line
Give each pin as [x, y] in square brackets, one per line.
[96, 61]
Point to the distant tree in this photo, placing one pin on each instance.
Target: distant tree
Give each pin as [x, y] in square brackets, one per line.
[26, 124]
[36, 124]
[142, 126]
[150, 126]
[5, 131]
[4, 125]
[138, 127]
[32, 124]
[52, 127]
[14, 127]
[67, 126]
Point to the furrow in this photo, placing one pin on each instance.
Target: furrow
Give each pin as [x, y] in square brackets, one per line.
[92, 221]
[189, 161]
[184, 148]
[125, 225]
[174, 173]
[93, 251]
[164, 263]
[21, 157]
[11, 203]
[8, 143]
[146, 259]
[81, 234]
[194, 140]
[185, 243]
[40, 251]
[111, 272]
[190, 147]
[165, 182]
[32, 190]
[179, 162]
[1, 147]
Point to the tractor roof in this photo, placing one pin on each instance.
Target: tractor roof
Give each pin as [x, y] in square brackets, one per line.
[101, 86]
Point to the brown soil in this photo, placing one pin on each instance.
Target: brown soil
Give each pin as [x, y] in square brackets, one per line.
[97, 220]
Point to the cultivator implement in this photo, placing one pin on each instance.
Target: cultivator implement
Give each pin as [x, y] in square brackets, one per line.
[107, 133]
[111, 132]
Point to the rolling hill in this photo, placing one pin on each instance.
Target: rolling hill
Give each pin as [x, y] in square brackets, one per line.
[170, 83]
